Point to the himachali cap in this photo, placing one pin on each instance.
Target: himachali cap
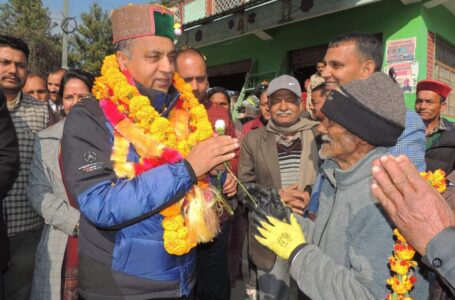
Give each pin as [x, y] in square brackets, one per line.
[284, 82]
[440, 88]
[137, 20]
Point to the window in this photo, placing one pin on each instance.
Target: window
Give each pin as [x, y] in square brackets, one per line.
[445, 71]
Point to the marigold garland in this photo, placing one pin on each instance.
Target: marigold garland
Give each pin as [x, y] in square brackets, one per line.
[401, 262]
[436, 179]
[157, 140]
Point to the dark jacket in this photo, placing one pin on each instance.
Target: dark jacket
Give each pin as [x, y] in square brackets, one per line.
[54, 116]
[441, 280]
[121, 236]
[9, 167]
[441, 155]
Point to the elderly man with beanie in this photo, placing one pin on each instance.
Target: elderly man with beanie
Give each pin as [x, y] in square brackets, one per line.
[132, 159]
[282, 155]
[344, 253]
[440, 136]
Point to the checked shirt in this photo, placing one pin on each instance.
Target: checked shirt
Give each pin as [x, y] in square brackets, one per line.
[29, 117]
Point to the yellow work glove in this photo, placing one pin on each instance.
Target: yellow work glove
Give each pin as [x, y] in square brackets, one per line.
[281, 237]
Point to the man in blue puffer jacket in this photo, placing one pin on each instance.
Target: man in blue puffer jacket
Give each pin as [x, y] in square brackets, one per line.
[121, 252]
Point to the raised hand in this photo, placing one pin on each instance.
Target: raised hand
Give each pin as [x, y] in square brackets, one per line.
[416, 208]
[209, 153]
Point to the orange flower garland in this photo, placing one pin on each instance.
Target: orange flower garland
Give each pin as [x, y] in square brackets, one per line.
[156, 139]
[436, 179]
[401, 262]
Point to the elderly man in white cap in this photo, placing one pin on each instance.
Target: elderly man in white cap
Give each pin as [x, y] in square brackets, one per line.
[283, 155]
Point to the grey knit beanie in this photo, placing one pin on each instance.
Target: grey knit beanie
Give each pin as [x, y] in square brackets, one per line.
[373, 109]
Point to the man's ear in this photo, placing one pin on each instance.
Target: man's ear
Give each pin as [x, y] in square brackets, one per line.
[443, 106]
[122, 60]
[368, 68]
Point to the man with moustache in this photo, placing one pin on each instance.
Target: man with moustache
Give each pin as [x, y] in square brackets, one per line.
[29, 116]
[357, 55]
[344, 253]
[35, 86]
[282, 155]
[440, 133]
[122, 246]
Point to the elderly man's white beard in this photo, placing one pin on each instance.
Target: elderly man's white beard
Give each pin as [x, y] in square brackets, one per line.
[347, 145]
[325, 139]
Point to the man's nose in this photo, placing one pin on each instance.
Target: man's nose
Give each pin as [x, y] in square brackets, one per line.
[194, 84]
[283, 105]
[12, 68]
[321, 128]
[167, 65]
[326, 72]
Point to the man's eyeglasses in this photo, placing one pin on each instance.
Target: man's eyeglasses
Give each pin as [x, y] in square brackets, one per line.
[18, 64]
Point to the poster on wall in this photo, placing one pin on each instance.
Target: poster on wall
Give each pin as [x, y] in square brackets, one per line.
[401, 50]
[405, 74]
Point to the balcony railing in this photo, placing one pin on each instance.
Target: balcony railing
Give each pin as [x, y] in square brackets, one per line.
[191, 11]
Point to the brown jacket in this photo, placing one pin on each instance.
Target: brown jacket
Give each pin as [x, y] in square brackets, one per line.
[259, 158]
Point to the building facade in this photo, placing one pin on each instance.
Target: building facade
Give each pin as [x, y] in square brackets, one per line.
[249, 41]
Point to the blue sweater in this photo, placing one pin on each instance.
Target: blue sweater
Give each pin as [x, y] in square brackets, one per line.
[121, 237]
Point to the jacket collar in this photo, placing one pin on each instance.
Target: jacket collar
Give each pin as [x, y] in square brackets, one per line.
[162, 102]
[270, 154]
[53, 132]
[359, 171]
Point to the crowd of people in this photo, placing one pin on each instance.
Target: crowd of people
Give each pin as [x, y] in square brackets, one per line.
[139, 184]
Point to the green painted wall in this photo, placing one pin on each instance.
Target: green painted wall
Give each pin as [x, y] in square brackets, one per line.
[389, 17]
[440, 21]
[410, 23]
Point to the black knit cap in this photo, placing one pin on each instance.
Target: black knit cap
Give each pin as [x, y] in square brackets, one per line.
[373, 109]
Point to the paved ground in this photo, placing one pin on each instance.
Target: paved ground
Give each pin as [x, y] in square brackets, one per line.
[238, 292]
